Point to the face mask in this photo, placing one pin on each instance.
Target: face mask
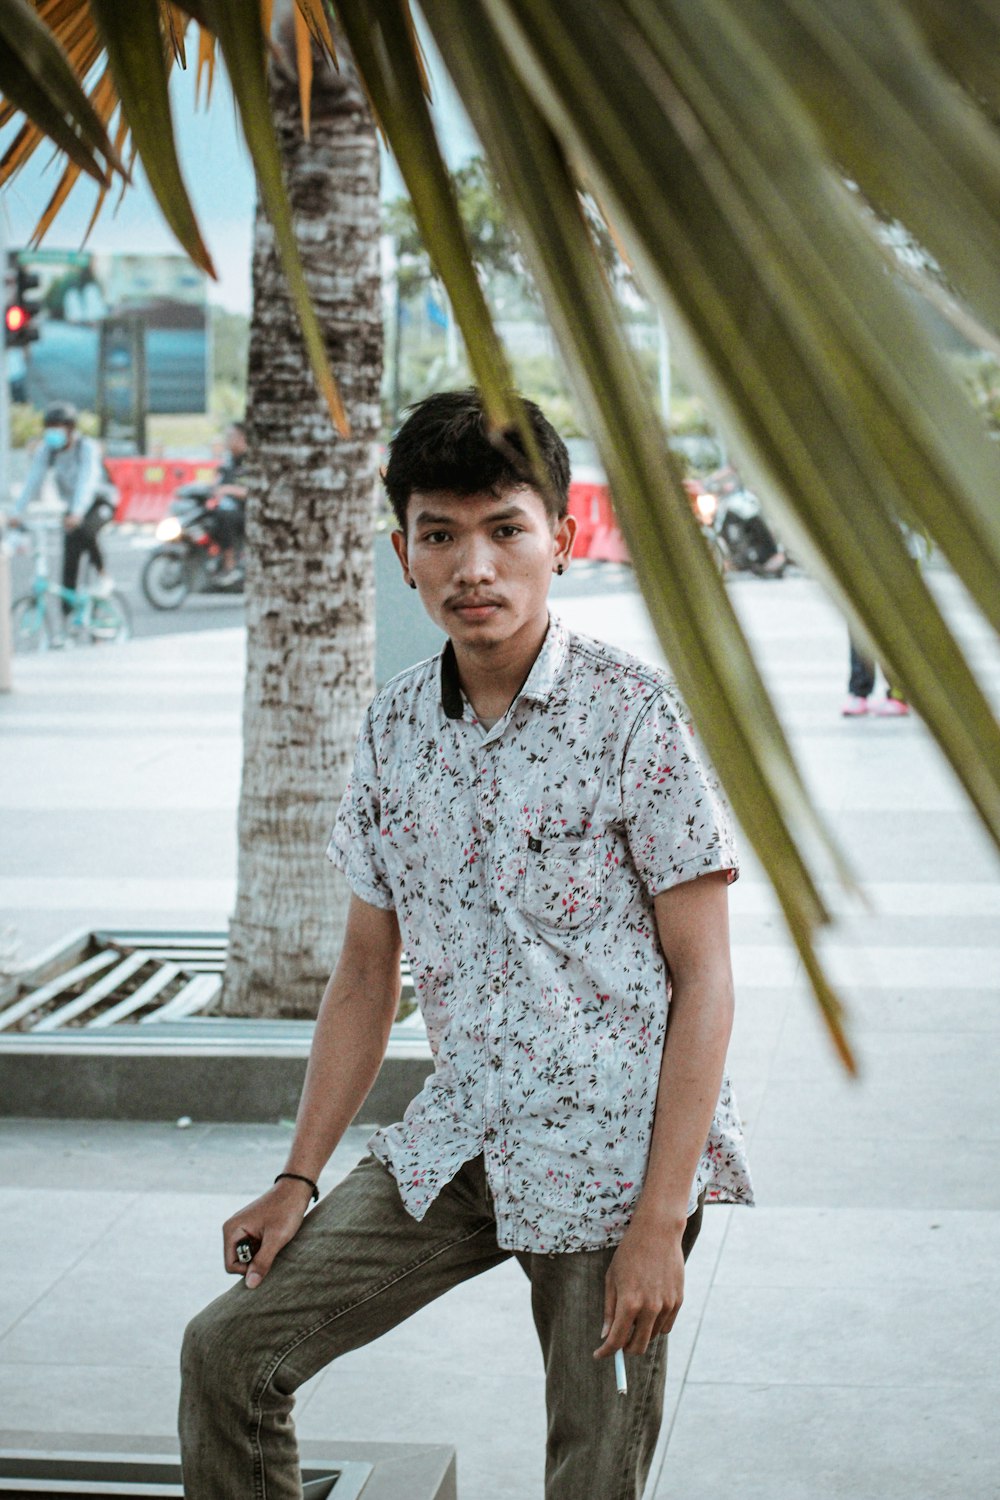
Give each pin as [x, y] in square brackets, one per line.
[55, 437]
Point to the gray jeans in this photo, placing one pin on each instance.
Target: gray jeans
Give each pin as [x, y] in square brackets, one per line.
[360, 1265]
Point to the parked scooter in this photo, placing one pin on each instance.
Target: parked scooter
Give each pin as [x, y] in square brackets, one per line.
[738, 525]
[188, 559]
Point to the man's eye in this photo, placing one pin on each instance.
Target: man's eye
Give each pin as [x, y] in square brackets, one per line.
[507, 531]
[436, 536]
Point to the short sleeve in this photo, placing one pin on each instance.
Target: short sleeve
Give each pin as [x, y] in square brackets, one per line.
[676, 820]
[354, 845]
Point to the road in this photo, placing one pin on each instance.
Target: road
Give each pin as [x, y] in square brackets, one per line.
[126, 549]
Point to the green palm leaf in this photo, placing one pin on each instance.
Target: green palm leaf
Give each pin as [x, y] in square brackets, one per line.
[36, 77]
[132, 35]
[237, 25]
[966, 41]
[383, 44]
[383, 50]
[688, 603]
[861, 72]
[836, 395]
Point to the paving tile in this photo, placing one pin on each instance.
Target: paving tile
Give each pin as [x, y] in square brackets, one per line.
[34, 843]
[45, 1232]
[929, 1085]
[859, 1247]
[135, 1155]
[63, 1396]
[827, 1442]
[18, 1294]
[114, 1313]
[930, 1009]
[865, 1335]
[799, 1168]
[884, 845]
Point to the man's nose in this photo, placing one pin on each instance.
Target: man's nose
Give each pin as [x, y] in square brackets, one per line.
[474, 561]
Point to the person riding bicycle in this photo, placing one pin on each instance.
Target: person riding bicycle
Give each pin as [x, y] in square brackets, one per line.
[230, 519]
[81, 483]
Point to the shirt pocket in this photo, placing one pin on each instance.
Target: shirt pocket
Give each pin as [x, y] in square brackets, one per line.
[560, 883]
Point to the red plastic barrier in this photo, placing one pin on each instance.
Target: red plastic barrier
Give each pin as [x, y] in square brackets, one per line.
[597, 534]
[146, 485]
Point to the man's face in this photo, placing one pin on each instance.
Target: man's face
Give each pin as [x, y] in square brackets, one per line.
[483, 563]
[236, 442]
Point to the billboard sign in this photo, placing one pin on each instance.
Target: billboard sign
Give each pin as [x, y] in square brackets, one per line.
[78, 291]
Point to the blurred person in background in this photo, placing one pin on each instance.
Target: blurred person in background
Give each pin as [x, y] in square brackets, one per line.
[230, 512]
[81, 483]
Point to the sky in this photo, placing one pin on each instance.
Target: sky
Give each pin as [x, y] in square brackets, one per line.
[219, 178]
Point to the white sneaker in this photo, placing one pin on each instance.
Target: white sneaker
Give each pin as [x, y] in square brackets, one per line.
[103, 588]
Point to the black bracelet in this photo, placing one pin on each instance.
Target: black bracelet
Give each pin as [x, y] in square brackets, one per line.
[299, 1178]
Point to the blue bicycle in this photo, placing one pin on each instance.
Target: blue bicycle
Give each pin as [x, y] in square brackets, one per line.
[41, 623]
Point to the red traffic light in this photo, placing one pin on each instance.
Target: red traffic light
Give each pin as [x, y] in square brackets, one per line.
[17, 318]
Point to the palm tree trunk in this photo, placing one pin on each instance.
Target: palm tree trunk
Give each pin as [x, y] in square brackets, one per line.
[310, 586]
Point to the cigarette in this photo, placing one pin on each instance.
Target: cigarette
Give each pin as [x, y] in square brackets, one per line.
[620, 1380]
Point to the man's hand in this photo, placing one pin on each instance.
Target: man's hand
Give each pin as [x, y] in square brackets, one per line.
[273, 1219]
[643, 1288]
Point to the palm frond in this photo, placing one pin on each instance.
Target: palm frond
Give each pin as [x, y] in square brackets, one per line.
[241, 40]
[37, 77]
[58, 47]
[133, 36]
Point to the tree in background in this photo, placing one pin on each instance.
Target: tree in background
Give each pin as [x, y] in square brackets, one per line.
[310, 586]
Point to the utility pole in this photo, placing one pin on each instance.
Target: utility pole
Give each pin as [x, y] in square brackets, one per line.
[664, 367]
[4, 382]
[6, 682]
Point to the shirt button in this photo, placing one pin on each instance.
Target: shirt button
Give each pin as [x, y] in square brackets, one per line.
[497, 984]
[487, 825]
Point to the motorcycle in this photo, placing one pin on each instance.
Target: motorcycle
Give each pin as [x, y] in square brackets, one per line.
[740, 535]
[704, 506]
[188, 559]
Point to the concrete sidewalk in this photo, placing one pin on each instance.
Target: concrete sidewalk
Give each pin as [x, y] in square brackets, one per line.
[838, 1342]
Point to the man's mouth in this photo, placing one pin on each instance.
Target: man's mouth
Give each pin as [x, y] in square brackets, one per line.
[475, 609]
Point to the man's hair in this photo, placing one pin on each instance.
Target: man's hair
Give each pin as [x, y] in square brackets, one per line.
[445, 444]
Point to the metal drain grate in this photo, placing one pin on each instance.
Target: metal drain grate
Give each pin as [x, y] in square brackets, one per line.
[95, 981]
[104, 1475]
[107, 977]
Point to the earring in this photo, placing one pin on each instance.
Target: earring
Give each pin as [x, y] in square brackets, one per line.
[559, 570]
[412, 584]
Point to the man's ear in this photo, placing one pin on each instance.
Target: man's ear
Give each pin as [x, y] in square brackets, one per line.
[564, 536]
[399, 547]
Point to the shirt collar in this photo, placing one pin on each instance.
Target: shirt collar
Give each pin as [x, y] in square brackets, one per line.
[542, 678]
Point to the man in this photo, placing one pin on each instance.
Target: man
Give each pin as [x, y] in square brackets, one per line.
[231, 496]
[529, 817]
[75, 463]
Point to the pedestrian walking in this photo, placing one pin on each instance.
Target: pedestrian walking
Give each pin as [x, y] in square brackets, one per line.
[861, 686]
[529, 815]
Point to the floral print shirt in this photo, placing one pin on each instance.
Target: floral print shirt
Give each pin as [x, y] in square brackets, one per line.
[522, 862]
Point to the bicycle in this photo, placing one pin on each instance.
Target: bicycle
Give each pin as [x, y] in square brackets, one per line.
[39, 622]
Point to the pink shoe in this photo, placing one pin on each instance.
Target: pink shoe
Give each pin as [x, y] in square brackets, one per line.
[891, 708]
[855, 707]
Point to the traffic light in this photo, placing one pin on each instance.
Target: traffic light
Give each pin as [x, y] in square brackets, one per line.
[20, 327]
